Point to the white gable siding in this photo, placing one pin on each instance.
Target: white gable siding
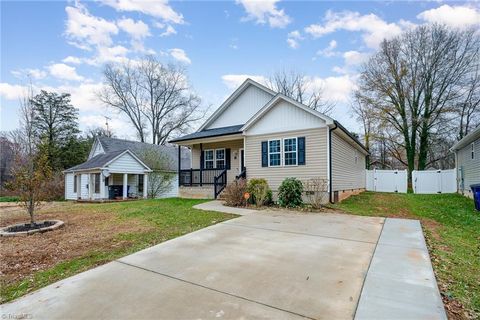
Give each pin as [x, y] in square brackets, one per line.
[346, 174]
[126, 164]
[285, 117]
[243, 108]
[96, 149]
[69, 194]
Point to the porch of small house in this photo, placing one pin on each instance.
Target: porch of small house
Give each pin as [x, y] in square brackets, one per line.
[214, 164]
[110, 187]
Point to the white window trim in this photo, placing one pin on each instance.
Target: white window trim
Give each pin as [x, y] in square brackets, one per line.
[214, 159]
[472, 151]
[224, 158]
[280, 152]
[296, 152]
[205, 158]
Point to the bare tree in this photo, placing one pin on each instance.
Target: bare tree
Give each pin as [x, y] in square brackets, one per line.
[468, 108]
[299, 87]
[152, 95]
[163, 172]
[413, 82]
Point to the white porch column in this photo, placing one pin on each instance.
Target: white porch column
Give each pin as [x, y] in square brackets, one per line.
[145, 185]
[125, 186]
[102, 186]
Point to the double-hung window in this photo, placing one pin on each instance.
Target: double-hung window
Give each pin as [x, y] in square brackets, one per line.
[290, 151]
[209, 160]
[220, 158]
[274, 153]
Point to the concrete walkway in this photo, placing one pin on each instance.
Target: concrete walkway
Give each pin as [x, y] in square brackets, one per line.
[263, 265]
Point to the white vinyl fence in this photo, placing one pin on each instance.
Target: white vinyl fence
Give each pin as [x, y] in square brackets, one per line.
[434, 181]
[387, 180]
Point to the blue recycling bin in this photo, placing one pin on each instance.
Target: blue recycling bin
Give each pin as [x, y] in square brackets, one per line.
[476, 195]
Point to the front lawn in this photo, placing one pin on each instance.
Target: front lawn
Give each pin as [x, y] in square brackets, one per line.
[452, 229]
[94, 234]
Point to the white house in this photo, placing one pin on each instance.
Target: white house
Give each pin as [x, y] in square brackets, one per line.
[467, 161]
[115, 169]
[258, 133]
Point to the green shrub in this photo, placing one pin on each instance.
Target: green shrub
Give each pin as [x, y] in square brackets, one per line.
[290, 193]
[234, 193]
[9, 199]
[260, 192]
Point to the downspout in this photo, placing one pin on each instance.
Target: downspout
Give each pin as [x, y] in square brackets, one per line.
[330, 179]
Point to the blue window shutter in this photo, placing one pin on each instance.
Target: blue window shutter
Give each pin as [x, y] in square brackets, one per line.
[301, 150]
[264, 153]
[227, 159]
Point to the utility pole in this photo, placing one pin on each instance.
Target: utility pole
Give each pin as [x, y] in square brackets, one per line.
[106, 123]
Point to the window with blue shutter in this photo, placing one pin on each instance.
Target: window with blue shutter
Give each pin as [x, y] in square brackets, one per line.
[264, 154]
[301, 150]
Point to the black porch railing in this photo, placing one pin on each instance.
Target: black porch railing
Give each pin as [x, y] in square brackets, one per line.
[197, 177]
[219, 183]
[242, 175]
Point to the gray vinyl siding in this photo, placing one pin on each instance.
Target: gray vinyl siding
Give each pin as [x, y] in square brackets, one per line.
[69, 194]
[346, 174]
[468, 168]
[315, 157]
[233, 145]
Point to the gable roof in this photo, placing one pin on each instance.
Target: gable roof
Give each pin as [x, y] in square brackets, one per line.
[274, 101]
[102, 160]
[469, 138]
[139, 148]
[248, 82]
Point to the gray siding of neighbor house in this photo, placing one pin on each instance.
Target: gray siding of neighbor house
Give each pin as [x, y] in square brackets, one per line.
[468, 169]
[69, 194]
[233, 145]
[315, 157]
[346, 174]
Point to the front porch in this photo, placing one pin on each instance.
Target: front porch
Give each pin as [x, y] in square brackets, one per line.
[103, 186]
[214, 163]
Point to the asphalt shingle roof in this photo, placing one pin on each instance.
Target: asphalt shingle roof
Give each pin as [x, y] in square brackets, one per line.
[210, 133]
[98, 161]
[113, 147]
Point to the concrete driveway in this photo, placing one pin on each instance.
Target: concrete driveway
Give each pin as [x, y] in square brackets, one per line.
[260, 266]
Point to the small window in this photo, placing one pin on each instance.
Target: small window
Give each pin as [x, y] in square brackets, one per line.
[209, 161]
[473, 151]
[140, 183]
[220, 158]
[274, 153]
[97, 182]
[290, 151]
[75, 183]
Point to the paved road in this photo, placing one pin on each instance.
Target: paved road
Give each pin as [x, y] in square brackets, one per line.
[260, 266]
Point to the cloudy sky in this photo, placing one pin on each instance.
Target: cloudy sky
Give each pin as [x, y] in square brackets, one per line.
[62, 46]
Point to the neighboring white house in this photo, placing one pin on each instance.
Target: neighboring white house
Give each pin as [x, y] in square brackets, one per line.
[115, 168]
[258, 133]
[467, 161]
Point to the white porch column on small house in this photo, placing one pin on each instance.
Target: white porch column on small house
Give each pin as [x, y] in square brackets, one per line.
[125, 186]
[145, 185]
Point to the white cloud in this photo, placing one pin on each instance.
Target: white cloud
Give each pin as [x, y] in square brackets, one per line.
[180, 55]
[453, 16]
[233, 81]
[335, 89]
[293, 39]
[72, 59]
[137, 30]
[32, 73]
[265, 11]
[64, 72]
[12, 91]
[373, 28]
[158, 8]
[329, 51]
[353, 57]
[85, 30]
[168, 32]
